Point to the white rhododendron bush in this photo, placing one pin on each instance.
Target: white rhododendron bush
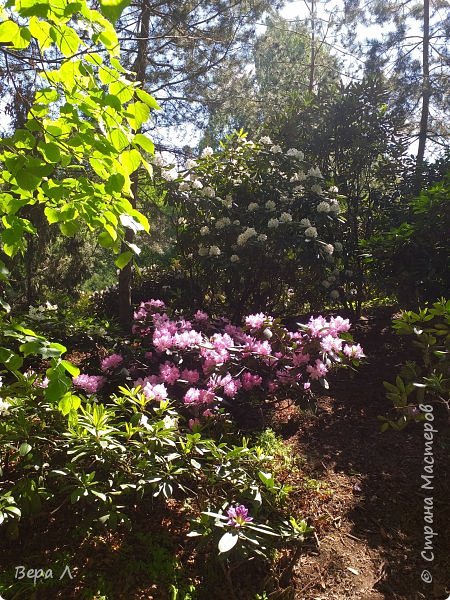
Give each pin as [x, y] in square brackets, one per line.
[255, 223]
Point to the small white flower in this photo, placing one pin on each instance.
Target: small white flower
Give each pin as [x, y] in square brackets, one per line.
[270, 205]
[182, 221]
[333, 189]
[338, 246]
[266, 140]
[311, 232]
[334, 206]
[169, 175]
[262, 237]
[305, 223]
[295, 153]
[300, 176]
[234, 258]
[315, 172]
[204, 230]
[326, 284]
[276, 149]
[236, 222]
[252, 206]
[286, 217]
[316, 189]
[208, 192]
[197, 184]
[273, 223]
[323, 207]
[191, 163]
[4, 408]
[329, 248]
[214, 251]
[334, 295]
[208, 151]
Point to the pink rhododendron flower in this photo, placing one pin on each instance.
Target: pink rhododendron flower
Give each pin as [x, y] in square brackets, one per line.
[250, 381]
[238, 516]
[317, 371]
[354, 351]
[190, 376]
[339, 325]
[256, 321]
[192, 396]
[299, 359]
[201, 316]
[318, 327]
[156, 392]
[331, 344]
[89, 383]
[169, 373]
[111, 362]
[194, 424]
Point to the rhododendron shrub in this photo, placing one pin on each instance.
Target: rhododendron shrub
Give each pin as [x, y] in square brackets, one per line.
[207, 364]
[256, 224]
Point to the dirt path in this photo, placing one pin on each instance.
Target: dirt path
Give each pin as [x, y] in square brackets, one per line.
[373, 549]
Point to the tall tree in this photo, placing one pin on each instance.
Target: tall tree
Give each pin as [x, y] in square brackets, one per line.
[412, 47]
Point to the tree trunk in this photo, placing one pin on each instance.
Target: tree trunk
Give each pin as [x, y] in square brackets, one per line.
[426, 92]
[312, 64]
[139, 67]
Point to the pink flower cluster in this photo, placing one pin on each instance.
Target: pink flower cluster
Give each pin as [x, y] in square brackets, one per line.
[91, 384]
[205, 362]
[111, 362]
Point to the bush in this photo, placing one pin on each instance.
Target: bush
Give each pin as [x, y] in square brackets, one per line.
[255, 225]
[425, 378]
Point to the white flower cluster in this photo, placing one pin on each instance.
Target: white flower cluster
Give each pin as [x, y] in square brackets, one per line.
[234, 258]
[208, 151]
[315, 172]
[298, 154]
[204, 230]
[208, 192]
[214, 251]
[191, 163]
[273, 223]
[184, 186]
[270, 205]
[245, 236]
[316, 188]
[223, 222]
[203, 250]
[300, 176]
[323, 207]
[262, 237]
[311, 232]
[329, 249]
[305, 223]
[276, 149]
[252, 207]
[286, 217]
[266, 140]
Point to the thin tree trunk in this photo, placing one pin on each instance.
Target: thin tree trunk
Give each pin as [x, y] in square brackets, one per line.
[125, 275]
[426, 91]
[312, 64]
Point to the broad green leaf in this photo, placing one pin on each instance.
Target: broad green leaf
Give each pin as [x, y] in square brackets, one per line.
[50, 152]
[24, 449]
[112, 9]
[123, 259]
[148, 99]
[130, 161]
[8, 31]
[144, 142]
[137, 114]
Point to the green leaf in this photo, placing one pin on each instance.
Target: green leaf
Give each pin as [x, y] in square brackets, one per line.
[123, 259]
[130, 161]
[68, 403]
[8, 31]
[130, 223]
[144, 142]
[112, 9]
[24, 449]
[148, 99]
[66, 39]
[70, 368]
[10, 359]
[137, 114]
[228, 541]
[50, 152]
